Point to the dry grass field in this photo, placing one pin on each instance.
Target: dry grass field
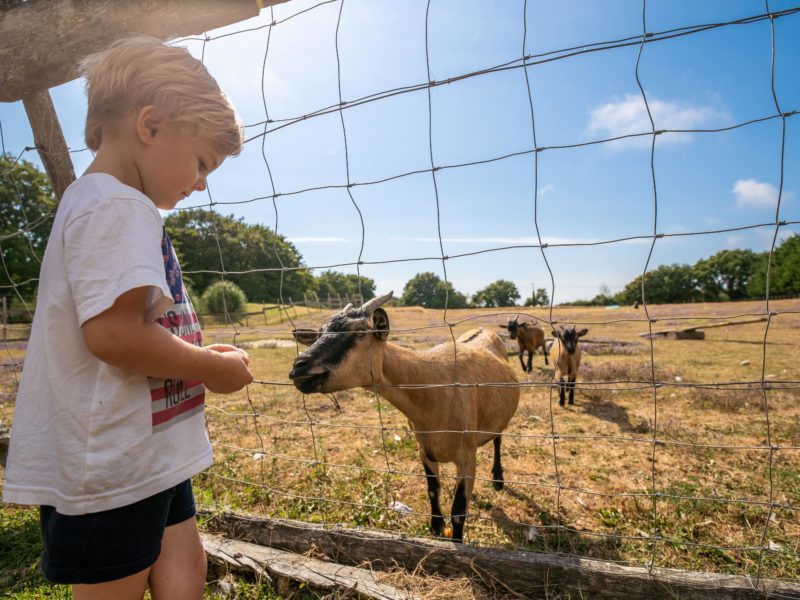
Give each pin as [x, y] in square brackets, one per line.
[699, 470]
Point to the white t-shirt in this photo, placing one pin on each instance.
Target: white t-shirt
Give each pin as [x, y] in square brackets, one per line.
[87, 436]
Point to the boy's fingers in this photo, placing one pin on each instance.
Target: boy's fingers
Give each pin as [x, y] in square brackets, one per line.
[229, 348]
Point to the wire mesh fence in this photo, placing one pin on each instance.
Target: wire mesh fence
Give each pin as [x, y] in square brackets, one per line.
[676, 455]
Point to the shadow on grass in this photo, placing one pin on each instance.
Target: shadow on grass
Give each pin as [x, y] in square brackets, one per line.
[611, 412]
[552, 533]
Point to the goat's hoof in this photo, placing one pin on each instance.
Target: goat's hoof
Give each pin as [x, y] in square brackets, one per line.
[498, 485]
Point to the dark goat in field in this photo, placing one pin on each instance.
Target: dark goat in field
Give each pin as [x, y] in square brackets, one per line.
[529, 337]
[450, 422]
[566, 356]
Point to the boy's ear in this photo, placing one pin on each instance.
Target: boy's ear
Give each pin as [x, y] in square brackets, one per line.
[380, 323]
[149, 122]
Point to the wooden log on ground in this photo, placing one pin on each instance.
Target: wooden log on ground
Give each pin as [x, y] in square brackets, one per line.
[695, 332]
[285, 567]
[530, 574]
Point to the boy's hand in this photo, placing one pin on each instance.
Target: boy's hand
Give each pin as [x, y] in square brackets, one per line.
[229, 348]
[232, 373]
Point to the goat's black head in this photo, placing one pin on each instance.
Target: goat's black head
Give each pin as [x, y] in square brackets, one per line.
[340, 353]
[512, 326]
[569, 336]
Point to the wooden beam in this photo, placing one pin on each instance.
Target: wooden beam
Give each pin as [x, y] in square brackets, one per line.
[531, 574]
[687, 332]
[49, 140]
[42, 42]
[284, 568]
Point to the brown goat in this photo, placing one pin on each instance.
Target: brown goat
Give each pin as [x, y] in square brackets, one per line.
[566, 357]
[449, 421]
[529, 337]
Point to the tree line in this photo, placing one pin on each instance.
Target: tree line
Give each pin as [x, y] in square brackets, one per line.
[727, 275]
[266, 266]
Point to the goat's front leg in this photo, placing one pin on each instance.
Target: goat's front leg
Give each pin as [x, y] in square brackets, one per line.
[571, 389]
[465, 481]
[432, 474]
[561, 391]
[544, 351]
[522, 358]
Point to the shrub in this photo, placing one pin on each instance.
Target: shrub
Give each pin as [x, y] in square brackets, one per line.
[224, 296]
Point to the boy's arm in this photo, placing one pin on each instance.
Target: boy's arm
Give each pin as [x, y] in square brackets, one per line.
[121, 337]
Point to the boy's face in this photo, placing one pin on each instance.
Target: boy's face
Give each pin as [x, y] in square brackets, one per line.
[173, 165]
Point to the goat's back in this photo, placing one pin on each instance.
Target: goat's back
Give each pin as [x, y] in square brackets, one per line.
[485, 340]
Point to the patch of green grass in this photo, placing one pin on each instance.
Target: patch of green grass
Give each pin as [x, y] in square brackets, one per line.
[20, 552]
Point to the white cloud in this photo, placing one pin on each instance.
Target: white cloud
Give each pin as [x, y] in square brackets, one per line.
[755, 194]
[517, 241]
[547, 189]
[629, 116]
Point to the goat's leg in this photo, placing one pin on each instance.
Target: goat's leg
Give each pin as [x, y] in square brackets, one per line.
[432, 474]
[497, 467]
[530, 361]
[561, 392]
[522, 358]
[465, 480]
[544, 351]
[572, 389]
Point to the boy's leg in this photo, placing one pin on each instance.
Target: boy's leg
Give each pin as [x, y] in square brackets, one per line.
[127, 588]
[180, 571]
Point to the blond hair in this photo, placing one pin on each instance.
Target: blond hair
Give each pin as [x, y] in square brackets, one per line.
[140, 71]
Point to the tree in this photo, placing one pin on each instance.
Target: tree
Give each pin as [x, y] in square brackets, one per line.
[25, 222]
[207, 241]
[724, 276]
[785, 272]
[224, 297]
[500, 293]
[666, 284]
[428, 290]
[334, 283]
[540, 298]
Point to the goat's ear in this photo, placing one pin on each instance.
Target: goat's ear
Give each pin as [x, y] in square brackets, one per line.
[582, 332]
[555, 333]
[524, 324]
[305, 336]
[380, 323]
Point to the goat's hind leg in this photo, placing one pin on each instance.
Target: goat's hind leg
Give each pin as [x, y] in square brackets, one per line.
[497, 468]
[465, 481]
[432, 475]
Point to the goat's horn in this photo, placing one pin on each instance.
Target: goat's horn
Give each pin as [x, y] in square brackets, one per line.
[369, 307]
[347, 308]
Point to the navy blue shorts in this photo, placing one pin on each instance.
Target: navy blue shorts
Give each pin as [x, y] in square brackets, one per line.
[111, 544]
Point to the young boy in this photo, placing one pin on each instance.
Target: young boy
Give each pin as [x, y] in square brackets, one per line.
[109, 424]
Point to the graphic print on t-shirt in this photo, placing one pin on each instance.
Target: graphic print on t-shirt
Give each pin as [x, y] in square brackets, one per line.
[174, 400]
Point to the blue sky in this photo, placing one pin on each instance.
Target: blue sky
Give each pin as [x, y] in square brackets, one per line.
[705, 181]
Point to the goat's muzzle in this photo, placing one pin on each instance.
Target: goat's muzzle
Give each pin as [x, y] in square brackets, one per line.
[307, 377]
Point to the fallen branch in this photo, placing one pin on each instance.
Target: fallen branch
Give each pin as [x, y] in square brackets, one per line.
[286, 567]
